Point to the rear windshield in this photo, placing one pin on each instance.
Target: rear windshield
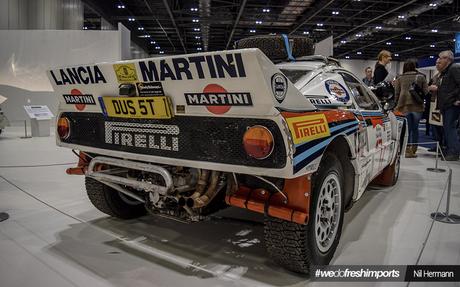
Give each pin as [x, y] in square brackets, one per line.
[295, 75]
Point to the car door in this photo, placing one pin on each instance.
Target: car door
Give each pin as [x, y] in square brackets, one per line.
[374, 136]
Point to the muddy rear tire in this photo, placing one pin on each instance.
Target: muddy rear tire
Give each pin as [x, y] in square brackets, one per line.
[295, 246]
[110, 202]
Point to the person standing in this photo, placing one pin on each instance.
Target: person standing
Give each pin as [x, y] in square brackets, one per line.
[410, 106]
[380, 70]
[449, 101]
[435, 118]
[368, 80]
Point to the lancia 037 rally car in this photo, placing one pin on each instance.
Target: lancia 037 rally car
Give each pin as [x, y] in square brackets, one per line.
[185, 136]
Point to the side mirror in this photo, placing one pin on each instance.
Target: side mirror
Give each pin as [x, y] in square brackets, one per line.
[386, 106]
[384, 90]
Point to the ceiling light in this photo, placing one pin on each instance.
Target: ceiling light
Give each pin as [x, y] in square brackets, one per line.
[359, 53]
[162, 52]
[121, 6]
[388, 43]
[396, 55]
[195, 20]
[434, 30]
[252, 31]
[378, 27]
[347, 57]
[140, 28]
[306, 32]
[433, 5]
[335, 13]
[432, 46]
[196, 29]
[401, 17]
[320, 24]
[258, 22]
[408, 38]
[266, 10]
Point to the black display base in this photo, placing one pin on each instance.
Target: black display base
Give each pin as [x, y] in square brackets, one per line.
[4, 216]
[446, 218]
[433, 169]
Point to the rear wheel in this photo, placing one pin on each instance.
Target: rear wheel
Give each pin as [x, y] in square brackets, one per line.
[296, 246]
[111, 202]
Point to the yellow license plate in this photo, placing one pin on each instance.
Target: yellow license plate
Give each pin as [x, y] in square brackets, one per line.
[138, 107]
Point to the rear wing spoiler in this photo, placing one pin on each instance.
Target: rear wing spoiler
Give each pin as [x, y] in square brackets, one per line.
[232, 83]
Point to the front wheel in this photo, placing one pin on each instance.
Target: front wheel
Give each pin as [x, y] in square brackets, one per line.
[296, 246]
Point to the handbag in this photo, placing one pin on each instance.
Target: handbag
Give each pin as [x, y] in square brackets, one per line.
[416, 92]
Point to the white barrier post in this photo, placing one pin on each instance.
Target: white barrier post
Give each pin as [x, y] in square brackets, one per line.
[445, 216]
[436, 169]
[25, 131]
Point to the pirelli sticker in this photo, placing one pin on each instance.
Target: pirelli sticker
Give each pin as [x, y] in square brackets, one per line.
[307, 128]
[126, 73]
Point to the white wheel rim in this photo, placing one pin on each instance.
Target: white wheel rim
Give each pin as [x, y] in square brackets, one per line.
[328, 212]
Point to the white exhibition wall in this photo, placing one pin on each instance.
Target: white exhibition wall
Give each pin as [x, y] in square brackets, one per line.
[325, 47]
[25, 55]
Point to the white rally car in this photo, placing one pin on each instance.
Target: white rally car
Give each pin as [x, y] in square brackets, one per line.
[184, 136]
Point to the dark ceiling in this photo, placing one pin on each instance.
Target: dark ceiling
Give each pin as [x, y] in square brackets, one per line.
[360, 28]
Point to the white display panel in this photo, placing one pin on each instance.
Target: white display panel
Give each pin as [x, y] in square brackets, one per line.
[38, 112]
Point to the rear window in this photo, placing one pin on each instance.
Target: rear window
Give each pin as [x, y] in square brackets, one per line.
[295, 75]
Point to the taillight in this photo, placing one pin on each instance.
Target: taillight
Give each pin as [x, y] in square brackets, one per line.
[258, 142]
[63, 128]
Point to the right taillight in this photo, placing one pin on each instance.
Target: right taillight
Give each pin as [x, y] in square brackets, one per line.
[63, 128]
[258, 142]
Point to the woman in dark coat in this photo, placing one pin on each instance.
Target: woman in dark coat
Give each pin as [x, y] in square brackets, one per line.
[408, 105]
[380, 71]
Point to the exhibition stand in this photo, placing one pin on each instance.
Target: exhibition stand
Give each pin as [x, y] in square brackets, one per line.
[40, 120]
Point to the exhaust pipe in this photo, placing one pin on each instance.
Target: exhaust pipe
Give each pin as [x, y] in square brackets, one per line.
[204, 199]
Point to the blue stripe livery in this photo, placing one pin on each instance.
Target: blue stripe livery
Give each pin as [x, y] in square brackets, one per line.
[306, 152]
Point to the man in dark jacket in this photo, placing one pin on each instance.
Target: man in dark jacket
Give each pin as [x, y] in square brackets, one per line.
[449, 101]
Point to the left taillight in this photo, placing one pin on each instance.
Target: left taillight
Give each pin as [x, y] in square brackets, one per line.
[63, 128]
